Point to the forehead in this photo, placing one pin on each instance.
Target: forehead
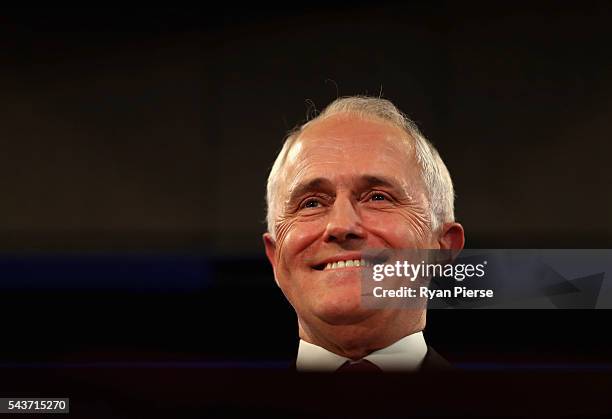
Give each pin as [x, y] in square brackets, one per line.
[345, 145]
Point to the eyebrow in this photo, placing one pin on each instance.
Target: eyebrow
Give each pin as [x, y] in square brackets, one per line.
[370, 181]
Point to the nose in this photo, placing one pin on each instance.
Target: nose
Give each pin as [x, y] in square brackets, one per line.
[344, 223]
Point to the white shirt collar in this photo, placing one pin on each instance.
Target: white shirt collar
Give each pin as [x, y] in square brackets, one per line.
[406, 354]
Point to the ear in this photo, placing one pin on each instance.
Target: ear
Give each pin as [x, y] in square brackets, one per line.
[270, 245]
[452, 237]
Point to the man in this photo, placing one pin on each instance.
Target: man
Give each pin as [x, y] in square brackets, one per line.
[359, 176]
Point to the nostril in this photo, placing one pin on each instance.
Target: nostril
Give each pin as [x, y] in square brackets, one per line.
[343, 237]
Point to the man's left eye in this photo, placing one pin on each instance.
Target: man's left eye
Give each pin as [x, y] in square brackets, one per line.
[378, 197]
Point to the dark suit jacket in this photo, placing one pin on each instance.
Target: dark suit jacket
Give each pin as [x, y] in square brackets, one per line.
[434, 362]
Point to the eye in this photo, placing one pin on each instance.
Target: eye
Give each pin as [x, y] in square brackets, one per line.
[377, 196]
[311, 203]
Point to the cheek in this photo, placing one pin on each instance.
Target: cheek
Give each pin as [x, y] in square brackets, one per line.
[297, 241]
[393, 230]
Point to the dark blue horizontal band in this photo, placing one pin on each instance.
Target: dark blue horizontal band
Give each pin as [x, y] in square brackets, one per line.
[147, 365]
[494, 366]
[84, 271]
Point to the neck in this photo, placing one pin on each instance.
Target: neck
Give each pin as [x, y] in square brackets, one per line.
[355, 341]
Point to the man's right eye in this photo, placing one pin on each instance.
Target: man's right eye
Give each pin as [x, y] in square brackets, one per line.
[311, 203]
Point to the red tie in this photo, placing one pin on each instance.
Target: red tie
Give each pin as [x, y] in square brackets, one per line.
[363, 365]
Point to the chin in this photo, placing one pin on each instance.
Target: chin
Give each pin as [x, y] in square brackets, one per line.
[341, 311]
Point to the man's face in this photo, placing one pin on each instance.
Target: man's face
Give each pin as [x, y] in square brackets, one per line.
[349, 185]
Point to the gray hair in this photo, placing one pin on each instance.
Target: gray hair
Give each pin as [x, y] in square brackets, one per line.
[437, 180]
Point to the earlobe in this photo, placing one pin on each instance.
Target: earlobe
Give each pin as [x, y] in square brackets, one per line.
[270, 245]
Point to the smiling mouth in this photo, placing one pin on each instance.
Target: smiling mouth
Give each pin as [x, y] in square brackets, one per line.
[341, 264]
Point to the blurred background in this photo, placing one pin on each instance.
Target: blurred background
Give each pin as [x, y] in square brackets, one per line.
[136, 145]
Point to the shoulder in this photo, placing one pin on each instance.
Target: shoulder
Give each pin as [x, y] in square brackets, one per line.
[434, 362]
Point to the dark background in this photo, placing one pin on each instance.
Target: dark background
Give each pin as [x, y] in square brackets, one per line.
[136, 146]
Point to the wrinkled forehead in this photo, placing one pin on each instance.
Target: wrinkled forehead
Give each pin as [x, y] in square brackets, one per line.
[345, 147]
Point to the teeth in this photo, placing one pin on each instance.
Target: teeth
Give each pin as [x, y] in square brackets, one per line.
[347, 264]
